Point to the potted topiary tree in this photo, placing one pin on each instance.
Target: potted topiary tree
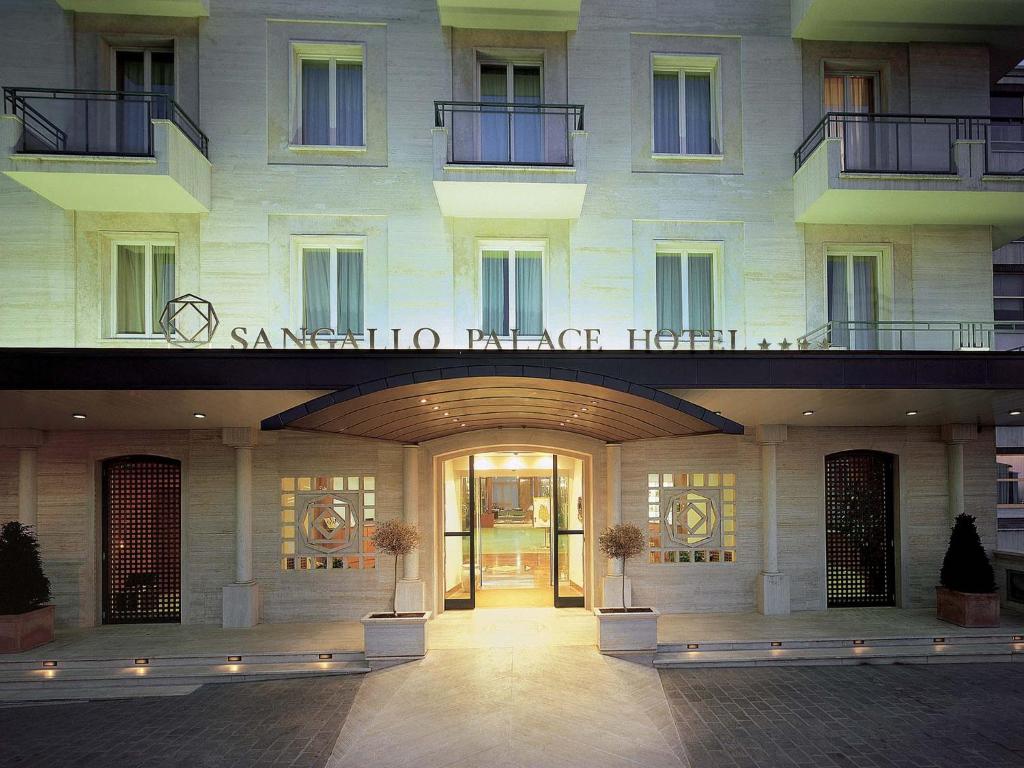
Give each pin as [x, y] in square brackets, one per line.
[623, 627]
[967, 595]
[26, 621]
[394, 634]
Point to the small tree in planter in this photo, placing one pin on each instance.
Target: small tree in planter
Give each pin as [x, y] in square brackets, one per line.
[621, 542]
[395, 635]
[25, 619]
[625, 629]
[967, 595]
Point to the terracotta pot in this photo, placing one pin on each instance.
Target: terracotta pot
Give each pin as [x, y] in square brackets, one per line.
[22, 631]
[967, 609]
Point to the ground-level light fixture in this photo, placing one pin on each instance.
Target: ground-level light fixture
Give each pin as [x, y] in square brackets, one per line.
[77, 415]
[808, 413]
[50, 664]
[911, 413]
[938, 639]
[141, 662]
[1015, 412]
[325, 656]
[199, 415]
[234, 658]
[858, 642]
[692, 646]
[776, 643]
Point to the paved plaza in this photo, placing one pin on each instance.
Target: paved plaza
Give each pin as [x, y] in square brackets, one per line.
[528, 705]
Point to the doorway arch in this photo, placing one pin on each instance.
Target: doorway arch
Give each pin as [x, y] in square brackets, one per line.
[860, 528]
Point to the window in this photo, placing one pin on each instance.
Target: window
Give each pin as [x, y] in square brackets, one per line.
[1008, 293]
[141, 70]
[329, 96]
[852, 290]
[685, 289]
[863, 141]
[508, 134]
[685, 103]
[332, 287]
[1010, 479]
[143, 283]
[512, 288]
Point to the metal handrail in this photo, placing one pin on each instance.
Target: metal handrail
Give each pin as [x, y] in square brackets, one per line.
[16, 102]
[445, 113]
[962, 334]
[961, 128]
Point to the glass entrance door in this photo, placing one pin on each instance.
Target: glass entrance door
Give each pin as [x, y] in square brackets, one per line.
[505, 545]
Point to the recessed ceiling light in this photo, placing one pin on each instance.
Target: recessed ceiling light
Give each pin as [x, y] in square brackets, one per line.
[561, 423]
[911, 413]
[462, 424]
[77, 415]
[437, 407]
[584, 409]
[575, 415]
[1015, 412]
[454, 419]
[718, 413]
[446, 413]
[423, 399]
[593, 402]
[808, 413]
[199, 415]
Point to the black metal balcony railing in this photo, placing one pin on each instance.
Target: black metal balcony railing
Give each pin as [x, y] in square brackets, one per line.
[84, 122]
[499, 133]
[884, 143]
[904, 335]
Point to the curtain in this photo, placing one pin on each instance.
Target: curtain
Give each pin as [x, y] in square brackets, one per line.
[666, 112]
[700, 293]
[316, 288]
[132, 111]
[494, 125]
[838, 308]
[528, 125]
[349, 82]
[529, 293]
[131, 289]
[865, 304]
[350, 291]
[495, 292]
[316, 127]
[860, 139]
[163, 281]
[697, 86]
[162, 76]
[669, 291]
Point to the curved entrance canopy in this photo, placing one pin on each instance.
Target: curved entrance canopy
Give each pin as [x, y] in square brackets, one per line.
[431, 404]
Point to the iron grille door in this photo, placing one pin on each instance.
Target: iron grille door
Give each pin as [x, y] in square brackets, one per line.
[141, 540]
[859, 530]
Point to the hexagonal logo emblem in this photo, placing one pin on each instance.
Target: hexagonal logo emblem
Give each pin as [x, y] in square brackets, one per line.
[691, 518]
[328, 523]
[188, 321]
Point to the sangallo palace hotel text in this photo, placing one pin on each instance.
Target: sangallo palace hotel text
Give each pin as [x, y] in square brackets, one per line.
[748, 275]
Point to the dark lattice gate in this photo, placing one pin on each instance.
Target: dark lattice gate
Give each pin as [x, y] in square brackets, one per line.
[859, 529]
[141, 540]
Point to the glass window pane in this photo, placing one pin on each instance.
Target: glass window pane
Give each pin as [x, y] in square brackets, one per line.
[350, 291]
[838, 306]
[162, 77]
[163, 281]
[349, 83]
[669, 290]
[1008, 284]
[316, 288]
[527, 125]
[130, 296]
[494, 122]
[698, 113]
[700, 292]
[316, 128]
[529, 293]
[494, 292]
[666, 112]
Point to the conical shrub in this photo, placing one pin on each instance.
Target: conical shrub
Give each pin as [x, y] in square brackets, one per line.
[23, 585]
[966, 567]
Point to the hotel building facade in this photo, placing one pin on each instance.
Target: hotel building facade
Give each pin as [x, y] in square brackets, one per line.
[513, 270]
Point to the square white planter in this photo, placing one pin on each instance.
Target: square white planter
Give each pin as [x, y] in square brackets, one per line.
[633, 631]
[387, 636]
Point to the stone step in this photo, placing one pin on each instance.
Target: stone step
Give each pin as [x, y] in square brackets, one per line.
[85, 662]
[66, 684]
[891, 654]
[841, 642]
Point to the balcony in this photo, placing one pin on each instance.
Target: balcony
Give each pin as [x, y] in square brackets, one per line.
[913, 169]
[105, 150]
[908, 335]
[910, 20]
[532, 15]
[497, 160]
[182, 8]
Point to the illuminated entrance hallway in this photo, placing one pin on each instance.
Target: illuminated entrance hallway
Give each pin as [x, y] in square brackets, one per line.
[504, 544]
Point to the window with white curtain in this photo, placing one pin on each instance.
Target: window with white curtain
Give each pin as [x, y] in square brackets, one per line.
[512, 287]
[143, 283]
[333, 287]
[685, 289]
[685, 106]
[329, 99]
[852, 297]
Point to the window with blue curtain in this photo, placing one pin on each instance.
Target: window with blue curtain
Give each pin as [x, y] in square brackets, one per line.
[333, 290]
[144, 283]
[684, 292]
[331, 116]
[683, 119]
[512, 290]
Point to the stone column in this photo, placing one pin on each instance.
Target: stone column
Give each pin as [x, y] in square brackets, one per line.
[772, 585]
[612, 584]
[410, 596]
[954, 436]
[28, 442]
[242, 599]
